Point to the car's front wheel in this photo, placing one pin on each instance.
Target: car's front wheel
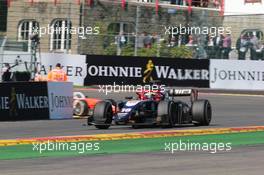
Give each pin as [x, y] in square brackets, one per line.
[103, 115]
[80, 108]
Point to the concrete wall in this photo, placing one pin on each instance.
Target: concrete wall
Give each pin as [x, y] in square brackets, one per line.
[242, 22]
[43, 12]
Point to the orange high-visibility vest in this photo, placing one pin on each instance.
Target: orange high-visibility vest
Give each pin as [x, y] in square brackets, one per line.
[57, 75]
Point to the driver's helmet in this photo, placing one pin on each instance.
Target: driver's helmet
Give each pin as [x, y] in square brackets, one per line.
[149, 95]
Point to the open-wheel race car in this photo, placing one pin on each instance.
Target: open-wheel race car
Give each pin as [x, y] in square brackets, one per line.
[153, 108]
[84, 106]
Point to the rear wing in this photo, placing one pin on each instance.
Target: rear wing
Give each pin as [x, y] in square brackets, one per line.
[193, 93]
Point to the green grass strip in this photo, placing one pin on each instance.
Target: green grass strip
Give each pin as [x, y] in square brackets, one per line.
[131, 145]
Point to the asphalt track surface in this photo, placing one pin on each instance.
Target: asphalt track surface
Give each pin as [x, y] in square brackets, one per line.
[239, 161]
[228, 111]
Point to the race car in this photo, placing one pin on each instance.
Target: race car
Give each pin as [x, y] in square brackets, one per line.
[166, 111]
[84, 106]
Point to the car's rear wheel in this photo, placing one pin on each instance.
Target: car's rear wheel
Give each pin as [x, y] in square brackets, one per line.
[103, 115]
[80, 108]
[165, 113]
[202, 112]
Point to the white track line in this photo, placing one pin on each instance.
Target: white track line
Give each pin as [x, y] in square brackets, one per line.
[230, 94]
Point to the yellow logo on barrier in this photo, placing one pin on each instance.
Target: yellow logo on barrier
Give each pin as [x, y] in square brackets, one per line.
[148, 72]
[13, 101]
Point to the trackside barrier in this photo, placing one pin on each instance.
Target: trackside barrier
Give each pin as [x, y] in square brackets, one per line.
[237, 74]
[73, 65]
[35, 100]
[124, 70]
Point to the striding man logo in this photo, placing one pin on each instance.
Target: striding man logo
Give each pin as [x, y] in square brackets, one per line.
[148, 72]
[13, 105]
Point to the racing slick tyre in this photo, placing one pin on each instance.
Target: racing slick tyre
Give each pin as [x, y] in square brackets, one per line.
[165, 113]
[80, 108]
[113, 102]
[103, 114]
[201, 112]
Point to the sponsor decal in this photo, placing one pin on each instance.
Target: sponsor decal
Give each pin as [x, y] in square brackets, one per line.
[34, 101]
[135, 70]
[182, 91]
[21, 101]
[4, 101]
[148, 72]
[161, 72]
[168, 72]
[73, 65]
[114, 71]
[240, 75]
[132, 103]
[13, 106]
[237, 74]
[71, 71]
[61, 101]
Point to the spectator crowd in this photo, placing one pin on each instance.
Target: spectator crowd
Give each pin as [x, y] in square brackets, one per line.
[198, 3]
[209, 46]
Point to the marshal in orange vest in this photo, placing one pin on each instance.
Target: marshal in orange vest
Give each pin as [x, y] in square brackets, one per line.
[57, 74]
